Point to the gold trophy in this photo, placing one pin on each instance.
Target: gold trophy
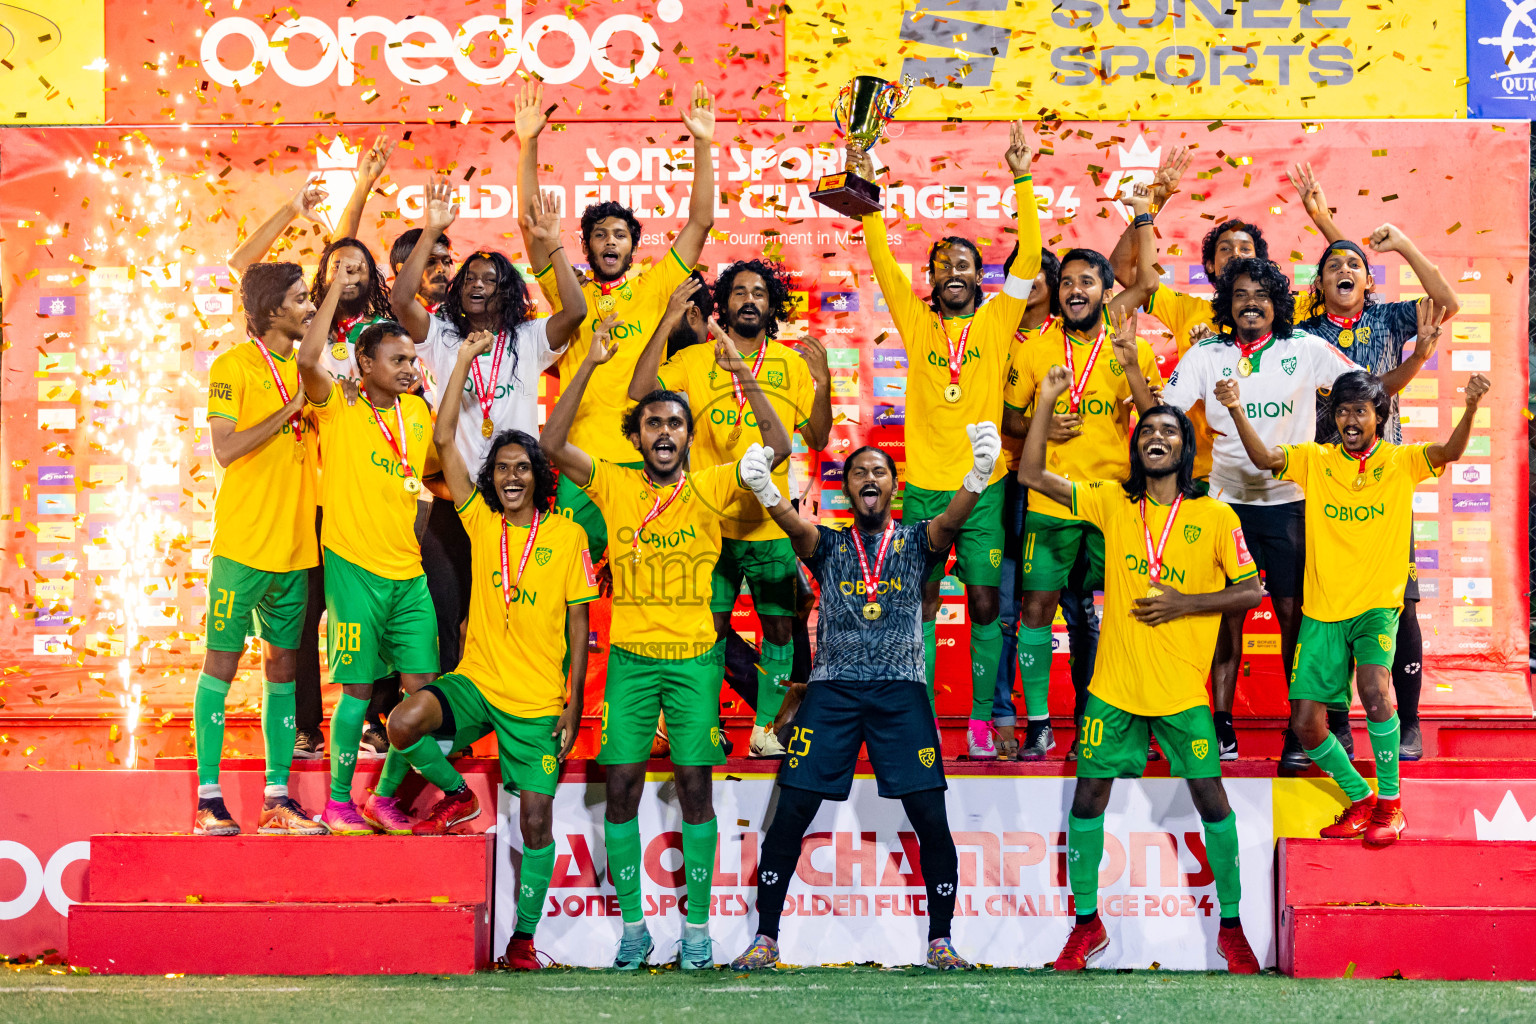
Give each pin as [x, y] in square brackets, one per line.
[862, 109]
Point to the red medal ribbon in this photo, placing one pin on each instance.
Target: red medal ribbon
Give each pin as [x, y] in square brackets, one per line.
[1362, 459]
[487, 397]
[957, 352]
[344, 328]
[1248, 348]
[1155, 558]
[606, 288]
[405, 463]
[736, 389]
[872, 580]
[508, 584]
[1344, 323]
[1080, 385]
[295, 420]
[657, 508]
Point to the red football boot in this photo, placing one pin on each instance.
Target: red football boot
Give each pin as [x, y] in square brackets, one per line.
[521, 956]
[1084, 942]
[453, 809]
[1233, 946]
[1352, 820]
[1387, 822]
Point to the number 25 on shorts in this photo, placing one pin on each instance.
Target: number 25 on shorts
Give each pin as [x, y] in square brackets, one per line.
[1092, 735]
[802, 736]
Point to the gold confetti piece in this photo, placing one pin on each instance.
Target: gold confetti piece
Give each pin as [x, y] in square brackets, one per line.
[1453, 228]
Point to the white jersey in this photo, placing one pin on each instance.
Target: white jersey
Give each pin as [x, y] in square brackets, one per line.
[516, 402]
[1279, 398]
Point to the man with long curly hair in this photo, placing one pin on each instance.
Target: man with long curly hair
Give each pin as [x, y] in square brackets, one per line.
[754, 303]
[533, 580]
[1281, 370]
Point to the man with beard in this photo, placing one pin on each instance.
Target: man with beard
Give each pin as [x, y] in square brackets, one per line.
[435, 276]
[957, 357]
[1359, 500]
[264, 456]
[665, 655]
[1375, 335]
[754, 303]
[1175, 563]
[378, 607]
[867, 686]
[1105, 386]
[1282, 370]
[610, 233]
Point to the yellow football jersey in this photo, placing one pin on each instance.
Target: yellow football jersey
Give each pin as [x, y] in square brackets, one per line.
[639, 301]
[1101, 451]
[264, 501]
[370, 518]
[784, 378]
[938, 450]
[661, 602]
[1159, 670]
[1357, 540]
[515, 653]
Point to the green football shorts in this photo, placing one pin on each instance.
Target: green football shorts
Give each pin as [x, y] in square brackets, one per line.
[1324, 650]
[1050, 547]
[978, 545]
[686, 690]
[377, 624]
[1112, 744]
[245, 602]
[768, 566]
[527, 747]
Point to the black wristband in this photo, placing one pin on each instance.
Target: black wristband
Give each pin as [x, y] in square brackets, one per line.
[1141, 220]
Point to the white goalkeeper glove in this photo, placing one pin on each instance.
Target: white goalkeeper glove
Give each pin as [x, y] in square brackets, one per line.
[986, 444]
[756, 469]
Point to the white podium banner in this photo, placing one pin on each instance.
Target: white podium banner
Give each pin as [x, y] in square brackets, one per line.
[858, 896]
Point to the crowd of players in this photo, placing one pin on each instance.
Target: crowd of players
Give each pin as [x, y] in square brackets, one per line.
[395, 426]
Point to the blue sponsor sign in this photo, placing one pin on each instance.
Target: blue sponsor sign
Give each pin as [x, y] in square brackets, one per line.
[840, 302]
[56, 305]
[890, 356]
[55, 476]
[1501, 59]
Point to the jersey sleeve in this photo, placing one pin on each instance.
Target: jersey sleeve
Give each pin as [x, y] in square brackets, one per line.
[1148, 362]
[472, 512]
[932, 556]
[436, 341]
[1232, 549]
[328, 409]
[599, 484]
[665, 275]
[1326, 363]
[1414, 459]
[1092, 499]
[1298, 462]
[802, 391]
[906, 308]
[225, 384]
[817, 559]
[1020, 386]
[1402, 320]
[580, 576]
[1187, 385]
[724, 484]
[673, 374]
[1181, 313]
[537, 337]
[545, 279]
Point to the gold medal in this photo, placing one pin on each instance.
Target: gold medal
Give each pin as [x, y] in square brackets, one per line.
[298, 451]
[952, 393]
[635, 558]
[872, 610]
[606, 304]
[486, 427]
[339, 350]
[1346, 338]
[1154, 592]
[1360, 482]
[1245, 367]
[733, 436]
[412, 485]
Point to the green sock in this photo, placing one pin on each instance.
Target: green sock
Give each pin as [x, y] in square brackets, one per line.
[773, 670]
[538, 865]
[986, 652]
[279, 729]
[427, 757]
[208, 726]
[1385, 738]
[346, 734]
[396, 767]
[623, 841]
[1085, 848]
[1221, 854]
[699, 842]
[930, 654]
[1330, 757]
[1035, 669]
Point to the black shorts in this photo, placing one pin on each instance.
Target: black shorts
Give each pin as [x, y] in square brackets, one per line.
[1411, 591]
[1277, 539]
[837, 718]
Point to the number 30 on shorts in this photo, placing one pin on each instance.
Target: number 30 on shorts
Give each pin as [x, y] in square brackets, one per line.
[802, 736]
[1093, 735]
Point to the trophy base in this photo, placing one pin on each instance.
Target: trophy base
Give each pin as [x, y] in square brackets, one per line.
[848, 194]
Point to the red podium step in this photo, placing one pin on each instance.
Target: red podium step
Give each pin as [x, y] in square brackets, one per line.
[180, 904]
[1445, 909]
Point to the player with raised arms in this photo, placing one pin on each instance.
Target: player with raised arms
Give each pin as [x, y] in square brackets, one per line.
[378, 608]
[1175, 562]
[665, 656]
[957, 353]
[754, 303]
[1359, 502]
[264, 456]
[867, 686]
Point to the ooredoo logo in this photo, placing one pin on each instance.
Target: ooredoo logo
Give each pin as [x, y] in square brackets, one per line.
[40, 882]
[416, 46]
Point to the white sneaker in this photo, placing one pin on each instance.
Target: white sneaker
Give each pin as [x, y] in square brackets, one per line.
[978, 741]
[764, 743]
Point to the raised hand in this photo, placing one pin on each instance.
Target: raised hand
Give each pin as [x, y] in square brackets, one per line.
[756, 469]
[1387, 238]
[1057, 380]
[726, 356]
[699, 118]
[1477, 387]
[438, 205]
[1310, 190]
[543, 219]
[528, 114]
[1226, 392]
[815, 355]
[1064, 427]
[986, 445]
[1165, 183]
[373, 161]
[1431, 316]
[307, 200]
[859, 163]
[1140, 199]
[477, 344]
[1018, 154]
[681, 298]
[1123, 337]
